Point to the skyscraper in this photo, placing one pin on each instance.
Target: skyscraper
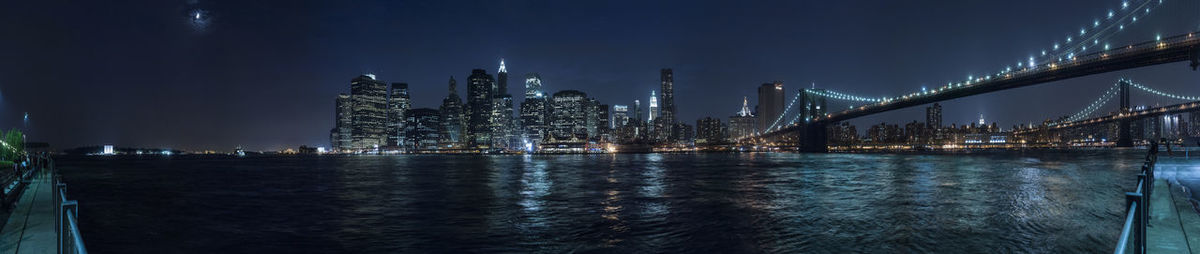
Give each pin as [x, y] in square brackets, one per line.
[453, 134]
[534, 110]
[398, 105]
[710, 130]
[667, 102]
[342, 123]
[933, 116]
[620, 116]
[770, 104]
[569, 116]
[369, 112]
[421, 129]
[637, 110]
[744, 123]
[653, 107]
[502, 111]
[479, 108]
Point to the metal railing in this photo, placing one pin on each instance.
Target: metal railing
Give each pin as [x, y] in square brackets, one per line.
[66, 213]
[1133, 234]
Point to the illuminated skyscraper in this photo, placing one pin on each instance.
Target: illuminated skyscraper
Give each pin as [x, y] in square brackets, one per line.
[620, 116]
[653, 107]
[569, 116]
[668, 113]
[770, 104]
[398, 105]
[369, 112]
[342, 123]
[479, 108]
[534, 111]
[502, 111]
[453, 134]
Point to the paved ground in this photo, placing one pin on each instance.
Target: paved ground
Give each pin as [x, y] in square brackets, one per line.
[1174, 223]
[30, 228]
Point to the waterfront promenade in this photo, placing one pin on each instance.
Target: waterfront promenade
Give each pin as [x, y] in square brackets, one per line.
[41, 220]
[1174, 223]
[30, 227]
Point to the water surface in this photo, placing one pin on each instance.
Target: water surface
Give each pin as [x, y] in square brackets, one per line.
[707, 203]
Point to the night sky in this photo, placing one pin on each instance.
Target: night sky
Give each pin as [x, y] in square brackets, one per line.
[263, 74]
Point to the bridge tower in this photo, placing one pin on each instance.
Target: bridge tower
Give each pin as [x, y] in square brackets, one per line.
[1124, 138]
[815, 138]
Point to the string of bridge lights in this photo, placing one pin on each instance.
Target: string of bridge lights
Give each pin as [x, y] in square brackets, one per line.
[1113, 22]
[1161, 93]
[1103, 100]
[785, 111]
[1099, 103]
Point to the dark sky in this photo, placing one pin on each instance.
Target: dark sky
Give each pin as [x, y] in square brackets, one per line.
[263, 74]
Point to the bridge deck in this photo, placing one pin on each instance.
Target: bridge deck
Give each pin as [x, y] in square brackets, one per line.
[1174, 224]
[30, 227]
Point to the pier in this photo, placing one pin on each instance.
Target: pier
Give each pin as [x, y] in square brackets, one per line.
[40, 219]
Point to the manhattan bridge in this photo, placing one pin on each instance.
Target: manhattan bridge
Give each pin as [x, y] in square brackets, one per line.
[1084, 53]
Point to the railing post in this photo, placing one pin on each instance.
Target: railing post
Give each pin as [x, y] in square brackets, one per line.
[1145, 195]
[1139, 231]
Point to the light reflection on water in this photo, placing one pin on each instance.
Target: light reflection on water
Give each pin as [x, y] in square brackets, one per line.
[1053, 202]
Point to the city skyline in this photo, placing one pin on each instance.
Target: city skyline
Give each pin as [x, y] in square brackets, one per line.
[219, 100]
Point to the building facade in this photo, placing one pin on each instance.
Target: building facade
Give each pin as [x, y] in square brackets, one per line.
[398, 104]
[369, 113]
[770, 104]
[453, 132]
[480, 86]
[569, 116]
[422, 130]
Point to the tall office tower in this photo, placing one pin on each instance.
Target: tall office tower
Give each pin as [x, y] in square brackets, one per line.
[342, 123]
[369, 115]
[453, 133]
[533, 86]
[421, 129]
[710, 130]
[653, 107]
[744, 123]
[502, 111]
[569, 115]
[398, 104]
[812, 104]
[770, 104]
[620, 116]
[933, 116]
[479, 108]
[668, 96]
[603, 120]
[637, 110]
[534, 111]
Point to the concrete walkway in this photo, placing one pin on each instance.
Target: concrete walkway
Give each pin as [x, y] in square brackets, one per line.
[1174, 224]
[30, 228]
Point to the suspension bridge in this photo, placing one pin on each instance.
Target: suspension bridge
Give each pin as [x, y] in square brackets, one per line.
[801, 129]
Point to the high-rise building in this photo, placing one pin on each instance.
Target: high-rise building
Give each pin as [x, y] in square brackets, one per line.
[744, 123]
[770, 104]
[933, 116]
[534, 111]
[369, 114]
[620, 116]
[653, 107]
[812, 104]
[667, 102]
[709, 130]
[479, 108]
[637, 110]
[533, 85]
[453, 132]
[604, 120]
[502, 111]
[342, 123]
[421, 129]
[569, 116]
[398, 105]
